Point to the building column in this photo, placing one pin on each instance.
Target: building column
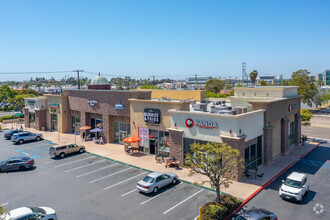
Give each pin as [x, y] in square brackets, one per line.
[26, 117]
[106, 128]
[40, 120]
[268, 145]
[176, 145]
[297, 129]
[239, 144]
[284, 137]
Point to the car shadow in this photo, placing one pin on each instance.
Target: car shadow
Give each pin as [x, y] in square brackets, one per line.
[67, 156]
[307, 198]
[19, 171]
[25, 142]
[167, 188]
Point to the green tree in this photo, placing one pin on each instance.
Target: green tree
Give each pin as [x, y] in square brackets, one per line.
[217, 161]
[284, 82]
[215, 85]
[149, 87]
[228, 86]
[6, 93]
[253, 76]
[2, 211]
[306, 87]
[239, 85]
[306, 116]
[19, 102]
[263, 83]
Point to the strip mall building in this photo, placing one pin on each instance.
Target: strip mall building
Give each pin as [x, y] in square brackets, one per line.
[262, 123]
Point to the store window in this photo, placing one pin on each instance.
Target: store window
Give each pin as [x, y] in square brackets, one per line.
[253, 154]
[122, 130]
[53, 124]
[75, 124]
[32, 119]
[187, 142]
[291, 133]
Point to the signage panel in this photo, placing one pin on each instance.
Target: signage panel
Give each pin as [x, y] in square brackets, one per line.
[201, 123]
[119, 106]
[92, 102]
[152, 115]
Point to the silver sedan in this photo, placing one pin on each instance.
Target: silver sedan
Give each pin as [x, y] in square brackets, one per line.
[154, 181]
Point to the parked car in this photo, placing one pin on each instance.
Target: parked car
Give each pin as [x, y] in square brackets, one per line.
[156, 180]
[61, 151]
[10, 133]
[294, 187]
[30, 213]
[25, 136]
[257, 214]
[16, 163]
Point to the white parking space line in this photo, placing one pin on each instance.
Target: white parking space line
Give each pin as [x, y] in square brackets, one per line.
[73, 162]
[96, 170]
[125, 180]
[110, 175]
[129, 192]
[182, 201]
[85, 165]
[4, 204]
[156, 196]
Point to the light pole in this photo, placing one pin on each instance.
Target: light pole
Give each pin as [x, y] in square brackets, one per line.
[59, 137]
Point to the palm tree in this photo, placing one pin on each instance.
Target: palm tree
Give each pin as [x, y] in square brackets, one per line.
[253, 76]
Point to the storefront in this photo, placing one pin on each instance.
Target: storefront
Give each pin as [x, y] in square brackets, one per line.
[57, 113]
[282, 119]
[150, 120]
[33, 107]
[189, 127]
[98, 107]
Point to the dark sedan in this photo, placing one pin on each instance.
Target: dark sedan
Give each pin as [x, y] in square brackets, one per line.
[16, 163]
[10, 133]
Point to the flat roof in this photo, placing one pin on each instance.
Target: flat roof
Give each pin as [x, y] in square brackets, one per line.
[172, 101]
[100, 90]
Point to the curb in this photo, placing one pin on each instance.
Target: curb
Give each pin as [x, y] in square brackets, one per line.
[269, 182]
[140, 168]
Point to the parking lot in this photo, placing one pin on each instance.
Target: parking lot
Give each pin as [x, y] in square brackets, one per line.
[85, 186]
[315, 205]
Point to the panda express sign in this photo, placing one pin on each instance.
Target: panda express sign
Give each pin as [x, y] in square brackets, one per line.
[201, 123]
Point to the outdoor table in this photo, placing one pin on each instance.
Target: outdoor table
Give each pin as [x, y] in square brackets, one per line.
[132, 149]
[253, 171]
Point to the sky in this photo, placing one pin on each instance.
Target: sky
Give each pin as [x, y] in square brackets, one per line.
[162, 38]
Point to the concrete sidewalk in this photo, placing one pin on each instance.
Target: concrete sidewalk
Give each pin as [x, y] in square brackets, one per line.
[116, 151]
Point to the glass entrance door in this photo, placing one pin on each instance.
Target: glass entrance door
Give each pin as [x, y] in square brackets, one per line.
[53, 125]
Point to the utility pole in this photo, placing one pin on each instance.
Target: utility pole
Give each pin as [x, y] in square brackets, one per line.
[78, 76]
[153, 80]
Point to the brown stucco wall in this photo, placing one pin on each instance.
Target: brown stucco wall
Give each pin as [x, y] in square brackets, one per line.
[26, 117]
[40, 119]
[176, 145]
[237, 143]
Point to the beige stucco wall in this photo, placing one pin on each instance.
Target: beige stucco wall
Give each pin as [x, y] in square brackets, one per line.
[61, 111]
[137, 114]
[39, 103]
[198, 95]
[266, 91]
[276, 137]
[250, 124]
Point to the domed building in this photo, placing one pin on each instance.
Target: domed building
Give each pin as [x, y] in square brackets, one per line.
[99, 82]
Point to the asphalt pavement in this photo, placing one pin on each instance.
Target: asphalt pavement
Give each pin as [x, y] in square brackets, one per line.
[85, 186]
[315, 205]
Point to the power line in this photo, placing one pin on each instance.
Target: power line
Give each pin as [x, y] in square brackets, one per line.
[8, 73]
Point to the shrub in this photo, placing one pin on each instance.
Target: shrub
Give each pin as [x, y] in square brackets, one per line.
[213, 210]
[9, 117]
[213, 95]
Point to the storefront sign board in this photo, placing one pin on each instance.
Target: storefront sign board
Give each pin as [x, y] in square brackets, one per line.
[92, 102]
[54, 105]
[119, 106]
[152, 115]
[201, 123]
[30, 102]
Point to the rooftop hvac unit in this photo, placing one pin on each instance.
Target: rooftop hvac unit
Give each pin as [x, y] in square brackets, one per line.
[238, 109]
[200, 107]
[234, 112]
[244, 110]
[229, 108]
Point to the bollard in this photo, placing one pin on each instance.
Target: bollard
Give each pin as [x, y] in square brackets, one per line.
[200, 213]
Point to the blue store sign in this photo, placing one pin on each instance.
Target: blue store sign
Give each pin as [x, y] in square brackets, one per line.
[119, 106]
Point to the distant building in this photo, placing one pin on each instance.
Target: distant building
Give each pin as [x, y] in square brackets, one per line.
[319, 76]
[326, 77]
[270, 79]
[197, 82]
